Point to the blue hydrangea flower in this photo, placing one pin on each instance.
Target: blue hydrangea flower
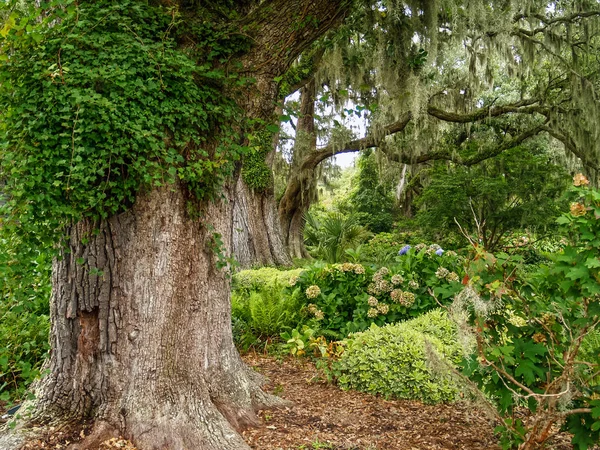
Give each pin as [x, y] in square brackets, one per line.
[404, 250]
[439, 252]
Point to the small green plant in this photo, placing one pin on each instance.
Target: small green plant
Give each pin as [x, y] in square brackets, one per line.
[261, 315]
[297, 342]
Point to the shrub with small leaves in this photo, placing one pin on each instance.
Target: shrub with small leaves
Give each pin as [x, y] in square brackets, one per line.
[392, 361]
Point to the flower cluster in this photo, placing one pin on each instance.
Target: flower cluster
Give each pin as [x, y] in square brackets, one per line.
[372, 301]
[420, 247]
[383, 308]
[451, 254]
[379, 287]
[404, 298]
[350, 267]
[578, 209]
[580, 180]
[312, 308]
[293, 280]
[441, 273]
[404, 250]
[434, 248]
[397, 279]
[372, 313]
[452, 277]
[412, 284]
[313, 291]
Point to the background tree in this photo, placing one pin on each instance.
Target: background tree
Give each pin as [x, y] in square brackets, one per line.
[371, 198]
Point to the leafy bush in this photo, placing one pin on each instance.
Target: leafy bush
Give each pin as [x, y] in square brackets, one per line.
[392, 360]
[24, 312]
[536, 332]
[262, 315]
[329, 238]
[246, 281]
[343, 298]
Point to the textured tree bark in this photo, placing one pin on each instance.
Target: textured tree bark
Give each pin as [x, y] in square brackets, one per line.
[257, 237]
[141, 331]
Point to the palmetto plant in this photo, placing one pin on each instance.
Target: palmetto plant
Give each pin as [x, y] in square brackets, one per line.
[330, 237]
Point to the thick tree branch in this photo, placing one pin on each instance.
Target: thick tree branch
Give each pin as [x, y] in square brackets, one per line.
[445, 155]
[283, 29]
[370, 141]
[527, 106]
[549, 22]
[570, 145]
[523, 106]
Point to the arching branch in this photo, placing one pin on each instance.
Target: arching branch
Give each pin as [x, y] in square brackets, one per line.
[548, 22]
[445, 155]
[524, 106]
[369, 141]
[570, 145]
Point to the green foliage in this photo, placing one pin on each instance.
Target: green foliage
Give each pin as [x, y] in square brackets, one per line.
[536, 330]
[255, 171]
[330, 237]
[260, 310]
[518, 189]
[24, 322]
[100, 101]
[392, 361]
[246, 281]
[372, 200]
[343, 298]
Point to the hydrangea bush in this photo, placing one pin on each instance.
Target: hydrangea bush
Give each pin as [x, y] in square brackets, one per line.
[345, 298]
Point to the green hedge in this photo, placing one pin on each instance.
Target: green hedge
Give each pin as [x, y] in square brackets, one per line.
[246, 281]
[391, 360]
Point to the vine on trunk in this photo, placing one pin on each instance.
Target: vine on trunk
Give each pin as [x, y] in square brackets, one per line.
[104, 100]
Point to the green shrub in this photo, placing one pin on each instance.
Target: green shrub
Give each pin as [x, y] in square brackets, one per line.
[24, 312]
[391, 361]
[246, 281]
[346, 298]
[262, 315]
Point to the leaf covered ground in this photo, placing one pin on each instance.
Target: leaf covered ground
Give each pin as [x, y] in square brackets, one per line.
[325, 417]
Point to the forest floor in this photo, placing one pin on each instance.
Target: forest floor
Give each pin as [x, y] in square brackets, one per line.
[324, 417]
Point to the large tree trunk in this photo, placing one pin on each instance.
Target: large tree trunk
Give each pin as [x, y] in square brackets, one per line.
[141, 331]
[257, 237]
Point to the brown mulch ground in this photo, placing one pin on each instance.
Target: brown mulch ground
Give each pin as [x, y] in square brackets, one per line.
[325, 417]
[347, 420]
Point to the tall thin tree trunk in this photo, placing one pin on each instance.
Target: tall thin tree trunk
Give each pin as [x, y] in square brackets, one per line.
[301, 188]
